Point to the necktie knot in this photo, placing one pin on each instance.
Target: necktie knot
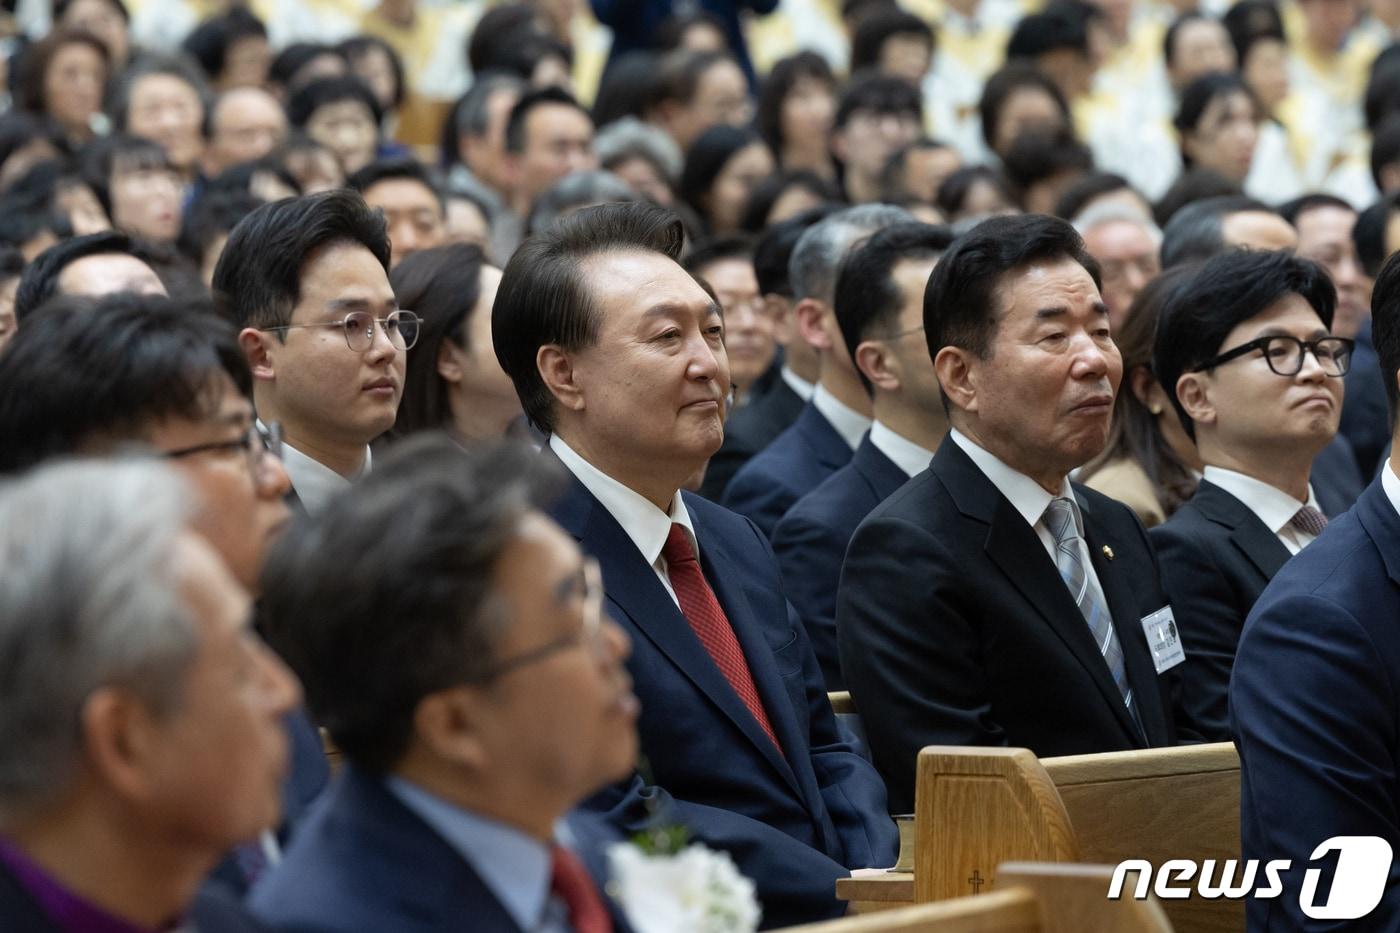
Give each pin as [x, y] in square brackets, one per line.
[1059, 520]
[1310, 520]
[677, 547]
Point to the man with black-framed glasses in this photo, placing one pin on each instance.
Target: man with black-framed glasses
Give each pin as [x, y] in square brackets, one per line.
[306, 279]
[1246, 354]
[453, 640]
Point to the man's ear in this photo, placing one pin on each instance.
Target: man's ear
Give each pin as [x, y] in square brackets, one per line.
[957, 376]
[119, 738]
[557, 371]
[1193, 391]
[879, 365]
[256, 345]
[810, 315]
[838, 144]
[449, 363]
[447, 724]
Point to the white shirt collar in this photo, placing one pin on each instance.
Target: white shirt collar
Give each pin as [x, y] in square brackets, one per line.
[848, 422]
[796, 383]
[907, 455]
[315, 483]
[645, 524]
[1026, 496]
[1391, 484]
[1274, 507]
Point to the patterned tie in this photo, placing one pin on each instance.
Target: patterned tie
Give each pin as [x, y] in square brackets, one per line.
[570, 882]
[1309, 520]
[705, 615]
[1059, 519]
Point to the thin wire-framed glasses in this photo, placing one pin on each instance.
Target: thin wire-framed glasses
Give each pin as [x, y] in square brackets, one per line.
[589, 634]
[258, 447]
[401, 327]
[1284, 354]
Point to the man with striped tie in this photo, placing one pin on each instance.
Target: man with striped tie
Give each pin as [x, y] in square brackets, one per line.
[990, 601]
[1245, 353]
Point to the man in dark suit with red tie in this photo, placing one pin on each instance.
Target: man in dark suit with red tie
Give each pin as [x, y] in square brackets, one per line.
[452, 640]
[619, 355]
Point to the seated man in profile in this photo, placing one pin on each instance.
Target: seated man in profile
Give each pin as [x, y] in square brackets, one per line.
[453, 642]
[141, 728]
[1245, 353]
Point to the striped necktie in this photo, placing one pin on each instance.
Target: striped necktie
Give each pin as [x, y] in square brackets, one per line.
[1061, 520]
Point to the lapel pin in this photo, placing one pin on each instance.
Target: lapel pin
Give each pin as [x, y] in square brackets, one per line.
[1108, 552]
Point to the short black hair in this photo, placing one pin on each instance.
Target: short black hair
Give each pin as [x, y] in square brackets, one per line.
[1089, 187]
[773, 251]
[1197, 231]
[1004, 83]
[388, 596]
[1199, 95]
[1250, 22]
[241, 177]
[215, 214]
[960, 304]
[19, 128]
[892, 176]
[628, 87]
[882, 94]
[356, 47]
[1192, 185]
[955, 188]
[40, 280]
[1385, 149]
[678, 75]
[442, 286]
[1224, 292]
[108, 369]
[523, 51]
[881, 25]
[773, 93]
[1369, 233]
[543, 298]
[716, 250]
[1174, 30]
[1292, 210]
[767, 192]
[286, 64]
[1385, 329]
[209, 42]
[311, 97]
[259, 273]
[707, 157]
[867, 297]
[515, 123]
[1056, 27]
[493, 28]
[1038, 155]
[103, 158]
[408, 167]
[1381, 99]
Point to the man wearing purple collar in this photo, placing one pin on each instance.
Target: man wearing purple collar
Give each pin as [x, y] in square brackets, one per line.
[141, 728]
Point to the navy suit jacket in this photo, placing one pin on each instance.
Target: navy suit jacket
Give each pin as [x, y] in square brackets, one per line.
[1315, 709]
[1336, 478]
[811, 541]
[1365, 417]
[365, 861]
[794, 820]
[749, 430]
[786, 470]
[955, 628]
[1217, 557]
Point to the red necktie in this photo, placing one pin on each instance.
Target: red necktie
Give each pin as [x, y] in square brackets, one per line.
[571, 883]
[702, 610]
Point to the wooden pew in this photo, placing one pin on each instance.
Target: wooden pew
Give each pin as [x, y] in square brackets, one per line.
[979, 807]
[1030, 898]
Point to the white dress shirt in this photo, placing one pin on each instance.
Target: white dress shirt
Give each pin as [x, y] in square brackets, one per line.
[1272, 506]
[1030, 501]
[315, 483]
[644, 523]
[1391, 484]
[907, 455]
[796, 383]
[848, 422]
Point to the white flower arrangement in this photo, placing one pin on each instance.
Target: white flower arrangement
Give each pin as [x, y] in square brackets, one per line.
[693, 890]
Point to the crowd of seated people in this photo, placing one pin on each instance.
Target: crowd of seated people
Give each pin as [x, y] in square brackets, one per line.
[444, 445]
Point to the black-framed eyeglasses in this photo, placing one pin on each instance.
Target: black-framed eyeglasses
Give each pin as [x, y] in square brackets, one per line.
[1284, 354]
[401, 327]
[258, 447]
[590, 582]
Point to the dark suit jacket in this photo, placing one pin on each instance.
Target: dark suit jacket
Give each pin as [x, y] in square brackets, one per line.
[1365, 417]
[811, 541]
[365, 861]
[794, 820]
[1315, 709]
[1336, 478]
[955, 628]
[214, 911]
[1217, 557]
[749, 430]
[786, 470]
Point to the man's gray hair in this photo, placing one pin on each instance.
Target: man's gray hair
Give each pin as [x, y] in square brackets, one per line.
[630, 138]
[579, 190]
[817, 257]
[473, 115]
[1107, 213]
[176, 64]
[88, 599]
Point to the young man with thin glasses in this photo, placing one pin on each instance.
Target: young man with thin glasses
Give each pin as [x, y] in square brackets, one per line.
[1246, 354]
[306, 280]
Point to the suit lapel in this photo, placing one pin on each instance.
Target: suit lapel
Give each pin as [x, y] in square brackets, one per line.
[634, 589]
[879, 471]
[1018, 552]
[822, 438]
[1252, 537]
